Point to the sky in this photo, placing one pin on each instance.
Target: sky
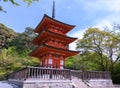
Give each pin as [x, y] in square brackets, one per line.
[81, 13]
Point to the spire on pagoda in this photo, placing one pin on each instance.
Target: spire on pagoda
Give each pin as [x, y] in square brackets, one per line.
[53, 10]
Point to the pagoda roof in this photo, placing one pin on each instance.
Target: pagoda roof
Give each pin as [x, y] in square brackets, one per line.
[48, 34]
[45, 48]
[48, 20]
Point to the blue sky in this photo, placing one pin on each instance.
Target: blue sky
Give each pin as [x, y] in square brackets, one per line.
[82, 13]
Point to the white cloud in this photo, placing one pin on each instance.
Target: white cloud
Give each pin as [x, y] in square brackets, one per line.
[107, 5]
[68, 7]
[111, 5]
[107, 21]
[79, 35]
[103, 23]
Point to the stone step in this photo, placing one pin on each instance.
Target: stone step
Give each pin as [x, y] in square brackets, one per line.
[78, 83]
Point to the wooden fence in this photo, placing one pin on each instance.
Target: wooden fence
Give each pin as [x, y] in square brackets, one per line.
[54, 73]
[91, 74]
[41, 73]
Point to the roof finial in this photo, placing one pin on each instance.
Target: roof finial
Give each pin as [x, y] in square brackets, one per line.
[53, 10]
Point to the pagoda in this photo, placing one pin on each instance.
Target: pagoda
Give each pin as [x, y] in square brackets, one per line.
[52, 42]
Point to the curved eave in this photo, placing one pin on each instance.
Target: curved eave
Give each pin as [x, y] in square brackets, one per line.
[46, 33]
[46, 20]
[45, 48]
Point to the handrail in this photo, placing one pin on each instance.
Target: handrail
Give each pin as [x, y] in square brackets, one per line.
[91, 74]
[57, 74]
[41, 73]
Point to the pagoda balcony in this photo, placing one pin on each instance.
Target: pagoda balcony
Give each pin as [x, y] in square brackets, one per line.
[42, 73]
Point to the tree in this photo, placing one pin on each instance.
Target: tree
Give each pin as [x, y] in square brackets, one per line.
[104, 44]
[6, 36]
[16, 55]
[23, 43]
[17, 4]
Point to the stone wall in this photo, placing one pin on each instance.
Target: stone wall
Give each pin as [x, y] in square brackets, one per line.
[100, 83]
[31, 83]
[37, 83]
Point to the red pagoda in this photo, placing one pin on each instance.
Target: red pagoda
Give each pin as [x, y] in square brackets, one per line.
[52, 42]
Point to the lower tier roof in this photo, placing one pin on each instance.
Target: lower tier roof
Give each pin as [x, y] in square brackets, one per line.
[50, 49]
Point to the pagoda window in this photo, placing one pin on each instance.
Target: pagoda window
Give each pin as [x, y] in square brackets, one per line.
[61, 62]
[50, 61]
[61, 67]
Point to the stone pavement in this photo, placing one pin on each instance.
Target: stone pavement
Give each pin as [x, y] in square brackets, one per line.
[5, 84]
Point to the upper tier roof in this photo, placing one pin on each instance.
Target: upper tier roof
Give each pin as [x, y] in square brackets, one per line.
[48, 20]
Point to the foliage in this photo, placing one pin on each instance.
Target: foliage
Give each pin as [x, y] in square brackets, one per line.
[83, 61]
[29, 2]
[2, 10]
[116, 74]
[104, 44]
[22, 42]
[15, 3]
[16, 55]
[6, 36]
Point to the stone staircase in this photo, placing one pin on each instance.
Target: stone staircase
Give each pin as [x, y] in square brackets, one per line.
[78, 83]
[98, 83]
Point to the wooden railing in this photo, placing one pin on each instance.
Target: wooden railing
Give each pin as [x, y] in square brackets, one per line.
[91, 74]
[54, 73]
[41, 73]
[21, 74]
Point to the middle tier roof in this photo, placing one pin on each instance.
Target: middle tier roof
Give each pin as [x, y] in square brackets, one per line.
[51, 35]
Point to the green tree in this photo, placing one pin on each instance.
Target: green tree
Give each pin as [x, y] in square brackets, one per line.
[29, 2]
[6, 36]
[15, 3]
[22, 42]
[104, 44]
[83, 61]
[16, 55]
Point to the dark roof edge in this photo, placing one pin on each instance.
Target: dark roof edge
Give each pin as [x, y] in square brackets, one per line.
[58, 21]
[59, 48]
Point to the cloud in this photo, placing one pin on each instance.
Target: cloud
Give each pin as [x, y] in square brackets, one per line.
[68, 7]
[103, 23]
[111, 5]
[107, 5]
[79, 35]
[107, 21]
